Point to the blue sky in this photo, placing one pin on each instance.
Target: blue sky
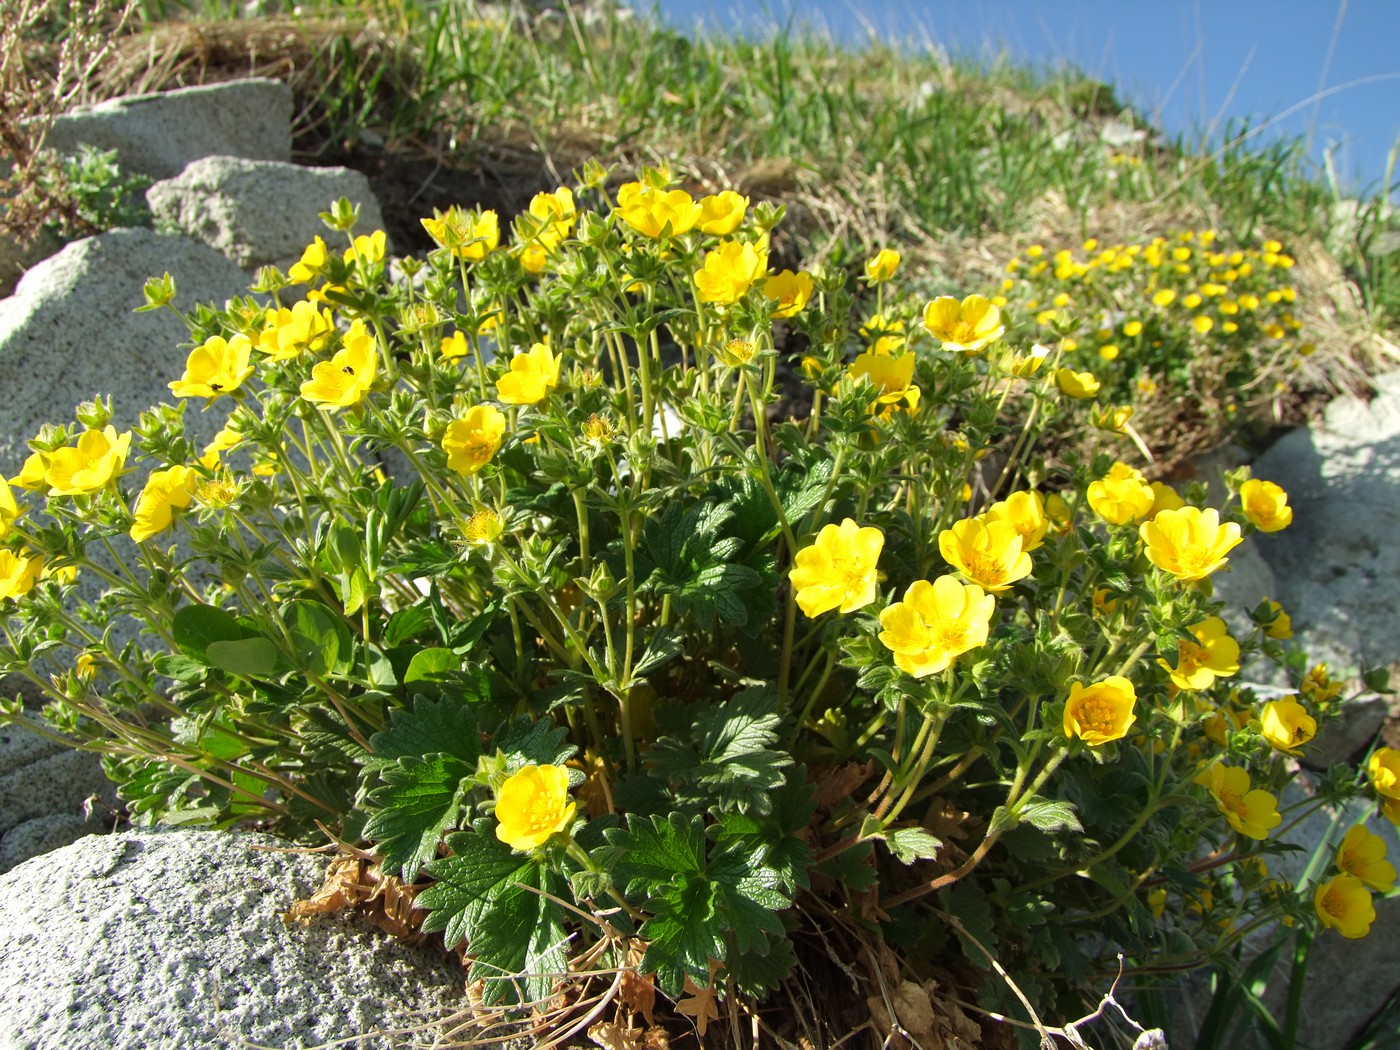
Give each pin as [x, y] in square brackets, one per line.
[1190, 65]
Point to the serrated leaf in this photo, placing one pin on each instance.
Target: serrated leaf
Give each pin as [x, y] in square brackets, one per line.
[696, 901]
[973, 911]
[1049, 814]
[590, 884]
[527, 743]
[180, 667]
[406, 624]
[431, 665]
[431, 726]
[911, 844]
[665, 645]
[516, 937]
[420, 800]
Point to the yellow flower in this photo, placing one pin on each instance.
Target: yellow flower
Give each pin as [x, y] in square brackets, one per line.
[313, 261]
[935, 623]
[532, 806]
[345, 379]
[1079, 385]
[1280, 627]
[454, 346]
[1384, 770]
[968, 326]
[1189, 543]
[792, 291]
[471, 441]
[469, 236]
[9, 509]
[989, 554]
[883, 266]
[32, 475]
[655, 212]
[366, 248]
[721, 213]
[96, 460]
[18, 573]
[1164, 298]
[1132, 329]
[1344, 903]
[1023, 365]
[482, 528]
[892, 377]
[729, 271]
[1024, 512]
[1214, 654]
[1265, 505]
[215, 368]
[292, 331]
[1362, 854]
[885, 337]
[1203, 324]
[838, 569]
[532, 376]
[166, 491]
[1112, 418]
[1122, 496]
[1250, 812]
[1286, 724]
[1101, 712]
[556, 213]
[1164, 497]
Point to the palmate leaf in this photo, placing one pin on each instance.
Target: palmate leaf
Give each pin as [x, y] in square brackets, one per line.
[485, 895]
[443, 726]
[728, 763]
[696, 901]
[420, 799]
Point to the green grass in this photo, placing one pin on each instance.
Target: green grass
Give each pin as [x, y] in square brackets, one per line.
[963, 164]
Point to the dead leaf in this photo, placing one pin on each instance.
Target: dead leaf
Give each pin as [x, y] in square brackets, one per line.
[915, 1012]
[841, 783]
[638, 994]
[702, 1006]
[611, 1035]
[343, 887]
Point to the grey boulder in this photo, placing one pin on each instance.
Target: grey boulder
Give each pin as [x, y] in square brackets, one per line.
[69, 333]
[175, 939]
[158, 134]
[1337, 566]
[44, 790]
[258, 213]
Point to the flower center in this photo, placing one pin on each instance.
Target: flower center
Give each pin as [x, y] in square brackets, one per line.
[1096, 715]
[985, 569]
[1190, 656]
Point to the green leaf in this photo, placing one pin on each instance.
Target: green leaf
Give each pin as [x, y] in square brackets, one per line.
[180, 667]
[527, 743]
[695, 901]
[432, 726]
[665, 645]
[320, 638]
[246, 657]
[432, 665]
[195, 626]
[1049, 815]
[911, 844]
[970, 906]
[516, 937]
[406, 624]
[420, 800]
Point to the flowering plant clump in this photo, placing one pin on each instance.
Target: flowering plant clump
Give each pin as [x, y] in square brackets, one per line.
[1144, 326]
[506, 568]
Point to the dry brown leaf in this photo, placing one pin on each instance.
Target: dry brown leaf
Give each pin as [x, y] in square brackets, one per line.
[638, 994]
[841, 783]
[343, 887]
[701, 1006]
[611, 1035]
